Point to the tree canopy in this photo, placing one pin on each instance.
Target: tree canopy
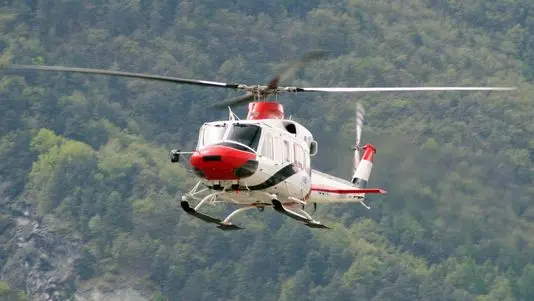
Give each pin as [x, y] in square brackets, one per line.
[91, 151]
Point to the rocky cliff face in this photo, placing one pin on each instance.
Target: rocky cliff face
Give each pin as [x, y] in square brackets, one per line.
[45, 263]
[37, 261]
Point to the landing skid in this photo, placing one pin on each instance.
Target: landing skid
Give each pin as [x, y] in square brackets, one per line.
[225, 224]
[304, 217]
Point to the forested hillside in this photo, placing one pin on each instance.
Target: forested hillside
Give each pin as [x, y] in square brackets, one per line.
[90, 152]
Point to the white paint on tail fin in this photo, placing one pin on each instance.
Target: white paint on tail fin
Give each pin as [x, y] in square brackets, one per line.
[363, 171]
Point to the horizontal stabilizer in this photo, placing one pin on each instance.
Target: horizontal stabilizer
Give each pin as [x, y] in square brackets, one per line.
[347, 191]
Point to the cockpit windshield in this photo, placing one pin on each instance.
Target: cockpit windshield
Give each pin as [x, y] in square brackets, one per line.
[247, 134]
[213, 133]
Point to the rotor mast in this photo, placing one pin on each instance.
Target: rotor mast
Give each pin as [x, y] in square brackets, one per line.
[265, 110]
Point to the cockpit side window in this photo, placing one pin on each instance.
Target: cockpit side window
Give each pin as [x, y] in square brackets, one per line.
[200, 137]
[213, 133]
[247, 134]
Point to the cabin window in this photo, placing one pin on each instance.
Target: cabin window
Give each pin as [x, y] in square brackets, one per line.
[287, 157]
[277, 149]
[247, 134]
[307, 163]
[267, 149]
[212, 133]
[299, 156]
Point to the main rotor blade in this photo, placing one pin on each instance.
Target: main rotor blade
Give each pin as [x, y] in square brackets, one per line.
[393, 89]
[305, 59]
[126, 74]
[233, 102]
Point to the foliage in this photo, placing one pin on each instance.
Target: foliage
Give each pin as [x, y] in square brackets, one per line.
[92, 151]
[8, 294]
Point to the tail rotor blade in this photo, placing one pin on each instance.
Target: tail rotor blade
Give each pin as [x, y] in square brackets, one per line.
[360, 112]
[356, 160]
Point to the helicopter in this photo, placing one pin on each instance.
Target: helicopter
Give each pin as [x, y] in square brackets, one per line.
[264, 160]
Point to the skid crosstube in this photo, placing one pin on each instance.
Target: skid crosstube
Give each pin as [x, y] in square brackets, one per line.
[208, 219]
[307, 221]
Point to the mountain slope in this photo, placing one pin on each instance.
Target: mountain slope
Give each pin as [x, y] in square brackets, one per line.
[90, 152]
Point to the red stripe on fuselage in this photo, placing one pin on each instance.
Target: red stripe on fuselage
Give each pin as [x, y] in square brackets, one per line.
[347, 191]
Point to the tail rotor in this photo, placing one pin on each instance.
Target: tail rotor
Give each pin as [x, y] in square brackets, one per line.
[360, 112]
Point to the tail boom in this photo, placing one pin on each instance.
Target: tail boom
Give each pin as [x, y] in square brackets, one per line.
[328, 189]
[329, 195]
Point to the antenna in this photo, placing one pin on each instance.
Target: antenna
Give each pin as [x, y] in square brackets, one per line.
[231, 115]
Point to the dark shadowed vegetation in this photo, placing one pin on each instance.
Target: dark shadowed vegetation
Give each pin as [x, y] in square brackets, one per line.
[91, 151]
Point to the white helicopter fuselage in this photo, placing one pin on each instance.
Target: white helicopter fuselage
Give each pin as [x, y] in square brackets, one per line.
[282, 150]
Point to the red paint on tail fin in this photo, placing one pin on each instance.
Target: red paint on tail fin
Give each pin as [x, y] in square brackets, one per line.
[369, 152]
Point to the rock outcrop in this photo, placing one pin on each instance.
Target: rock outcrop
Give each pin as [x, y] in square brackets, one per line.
[38, 258]
[39, 262]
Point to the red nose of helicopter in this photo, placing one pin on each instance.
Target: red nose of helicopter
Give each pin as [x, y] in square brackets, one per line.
[217, 162]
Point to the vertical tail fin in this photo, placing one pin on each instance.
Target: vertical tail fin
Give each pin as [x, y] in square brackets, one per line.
[363, 171]
[363, 167]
